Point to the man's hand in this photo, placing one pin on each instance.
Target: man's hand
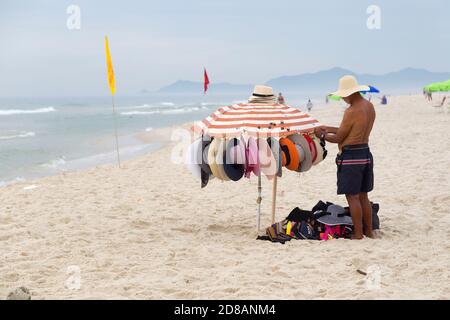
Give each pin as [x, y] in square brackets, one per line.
[319, 131]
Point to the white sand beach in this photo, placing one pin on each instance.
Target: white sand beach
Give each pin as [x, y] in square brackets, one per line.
[148, 231]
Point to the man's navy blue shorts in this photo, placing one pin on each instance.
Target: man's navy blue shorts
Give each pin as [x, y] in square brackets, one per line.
[354, 170]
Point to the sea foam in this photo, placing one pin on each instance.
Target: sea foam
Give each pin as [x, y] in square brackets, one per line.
[10, 112]
[19, 135]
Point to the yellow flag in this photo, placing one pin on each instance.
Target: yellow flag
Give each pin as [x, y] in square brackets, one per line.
[111, 79]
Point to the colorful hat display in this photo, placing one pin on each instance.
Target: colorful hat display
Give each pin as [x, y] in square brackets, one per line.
[276, 150]
[267, 162]
[251, 156]
[234, 159]
[300, 140]
[290, 156]
[208, 157]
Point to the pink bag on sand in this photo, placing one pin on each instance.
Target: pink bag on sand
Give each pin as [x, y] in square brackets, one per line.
[331, 232]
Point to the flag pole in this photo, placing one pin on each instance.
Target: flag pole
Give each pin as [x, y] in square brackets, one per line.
[112, 86]
[115, 129]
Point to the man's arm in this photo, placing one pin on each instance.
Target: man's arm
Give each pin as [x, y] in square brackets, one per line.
[343, 130]
[331, 129]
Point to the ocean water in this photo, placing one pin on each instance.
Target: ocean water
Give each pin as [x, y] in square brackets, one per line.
[45, 136]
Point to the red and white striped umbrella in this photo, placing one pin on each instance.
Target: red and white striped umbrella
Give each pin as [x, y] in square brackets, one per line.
[262, 120]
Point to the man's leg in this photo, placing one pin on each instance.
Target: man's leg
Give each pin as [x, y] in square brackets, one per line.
[366, 214]
[356, 211]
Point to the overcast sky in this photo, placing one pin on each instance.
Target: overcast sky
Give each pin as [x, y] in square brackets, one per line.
[154, 43]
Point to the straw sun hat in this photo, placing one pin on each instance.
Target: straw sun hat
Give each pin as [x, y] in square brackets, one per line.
[347, 86]
[262, 94]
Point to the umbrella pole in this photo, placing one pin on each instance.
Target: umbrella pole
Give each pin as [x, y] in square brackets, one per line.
[258, 201]
[274, 198]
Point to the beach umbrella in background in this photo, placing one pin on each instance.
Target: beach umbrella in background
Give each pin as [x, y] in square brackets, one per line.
[257, 124]
[433, 87]
[447, 85]
[112, 87]
[371, 90]
[443, 86]
[334, 97]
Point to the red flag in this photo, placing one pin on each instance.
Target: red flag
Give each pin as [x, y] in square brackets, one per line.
[205, 81]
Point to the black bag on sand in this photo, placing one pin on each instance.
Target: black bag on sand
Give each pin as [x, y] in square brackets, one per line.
[322, 206]
[375, 218]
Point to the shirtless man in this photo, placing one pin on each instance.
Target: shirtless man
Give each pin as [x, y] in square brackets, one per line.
[354, 161]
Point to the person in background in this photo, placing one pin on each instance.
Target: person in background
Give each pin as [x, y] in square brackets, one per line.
[280, 99]
[309, 105]
[326, 99]
[384, 100]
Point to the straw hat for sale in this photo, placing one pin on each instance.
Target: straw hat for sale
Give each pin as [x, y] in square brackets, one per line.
[262, 94]
[212, 158]
[347, 86]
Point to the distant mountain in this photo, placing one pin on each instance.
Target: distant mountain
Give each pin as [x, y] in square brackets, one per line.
[309, 82]
[183, 86]
[144, 91]
[326, 81]
[404, 80]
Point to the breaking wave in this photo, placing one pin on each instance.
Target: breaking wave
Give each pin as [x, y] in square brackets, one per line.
[162, 111]
[19, 135]
[10, 112]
